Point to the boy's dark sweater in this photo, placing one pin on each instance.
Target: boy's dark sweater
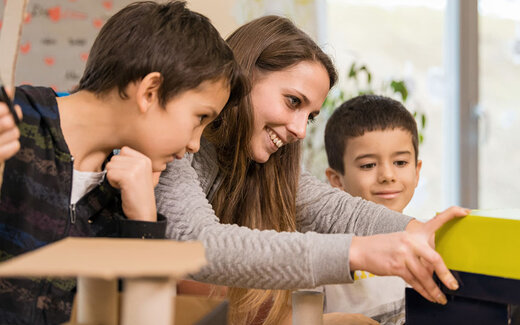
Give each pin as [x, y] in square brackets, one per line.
[35, 210]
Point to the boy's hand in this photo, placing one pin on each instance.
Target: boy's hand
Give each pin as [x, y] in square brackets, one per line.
[347, 319]
[409, 254]
[9, 133]
[131, 172]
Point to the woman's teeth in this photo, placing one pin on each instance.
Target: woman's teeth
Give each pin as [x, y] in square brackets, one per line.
[275, 139]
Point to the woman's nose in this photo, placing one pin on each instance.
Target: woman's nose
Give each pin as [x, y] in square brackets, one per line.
[298, 125]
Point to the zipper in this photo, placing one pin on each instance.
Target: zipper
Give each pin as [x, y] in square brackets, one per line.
[72, 213]
[72, 207]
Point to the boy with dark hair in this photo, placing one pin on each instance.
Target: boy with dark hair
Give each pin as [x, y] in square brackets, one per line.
[157, 74]
[372, 150]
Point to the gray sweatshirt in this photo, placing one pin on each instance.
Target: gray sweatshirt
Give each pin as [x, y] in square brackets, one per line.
[317, 254]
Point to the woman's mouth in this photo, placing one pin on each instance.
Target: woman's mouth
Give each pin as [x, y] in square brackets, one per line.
[274, 138]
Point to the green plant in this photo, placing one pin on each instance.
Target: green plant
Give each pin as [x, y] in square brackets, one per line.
[358, 81]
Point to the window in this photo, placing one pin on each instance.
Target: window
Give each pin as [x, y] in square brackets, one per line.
[398, 40]
[499, 69]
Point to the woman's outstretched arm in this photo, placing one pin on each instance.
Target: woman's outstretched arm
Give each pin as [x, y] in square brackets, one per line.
[325, 209]
[239, 256]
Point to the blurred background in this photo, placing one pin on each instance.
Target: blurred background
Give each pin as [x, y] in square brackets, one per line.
[411, 50]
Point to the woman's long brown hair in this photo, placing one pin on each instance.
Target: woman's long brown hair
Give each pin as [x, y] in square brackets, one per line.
[260, 196]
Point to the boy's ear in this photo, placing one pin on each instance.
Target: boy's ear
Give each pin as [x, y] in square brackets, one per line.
[334, 178]
[147, 93]
[418, 171]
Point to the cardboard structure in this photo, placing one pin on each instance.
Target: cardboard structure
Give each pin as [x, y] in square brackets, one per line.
[148, 269]
[189, 310]
[482, 251]
[10, 35]
[10, 39]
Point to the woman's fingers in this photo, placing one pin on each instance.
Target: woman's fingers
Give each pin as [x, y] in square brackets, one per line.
[427, 259]
[416, 284]
[409, 254]
[435, 260]
[427, 266]
[431, 256]
[440, 219]
[425, 280]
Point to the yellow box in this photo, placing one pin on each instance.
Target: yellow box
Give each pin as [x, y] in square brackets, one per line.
[485, 242]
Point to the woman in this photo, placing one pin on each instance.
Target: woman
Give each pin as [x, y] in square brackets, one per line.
[265, 223]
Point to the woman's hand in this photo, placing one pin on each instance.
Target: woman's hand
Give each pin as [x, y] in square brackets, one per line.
[347, 319]
[409, 254]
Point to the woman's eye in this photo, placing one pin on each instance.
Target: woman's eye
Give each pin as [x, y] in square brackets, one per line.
[400, 163]
[368, 166]
[202, 118]
[294, 101]
[311, 119]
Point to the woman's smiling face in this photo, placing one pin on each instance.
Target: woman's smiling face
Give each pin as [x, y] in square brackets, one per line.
[283, 103]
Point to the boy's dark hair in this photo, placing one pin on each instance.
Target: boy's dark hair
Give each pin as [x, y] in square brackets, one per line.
[365, 113]
[168, 38]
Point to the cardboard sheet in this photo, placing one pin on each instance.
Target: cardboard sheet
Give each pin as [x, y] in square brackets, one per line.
[108, 258]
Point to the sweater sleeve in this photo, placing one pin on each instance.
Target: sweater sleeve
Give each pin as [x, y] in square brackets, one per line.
[142, 229]
[242, 257]
[324, 209]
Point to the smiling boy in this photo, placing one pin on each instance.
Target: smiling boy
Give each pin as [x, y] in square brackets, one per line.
[372, 150]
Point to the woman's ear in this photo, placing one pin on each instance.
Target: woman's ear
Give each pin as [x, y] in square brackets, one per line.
[148, 91]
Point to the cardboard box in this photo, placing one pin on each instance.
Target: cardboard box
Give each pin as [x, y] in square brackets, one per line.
[484, 242]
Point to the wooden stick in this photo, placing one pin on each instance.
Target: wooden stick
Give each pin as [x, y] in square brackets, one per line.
[156, 307]
[97, 301]
[307, 308]
[10, 35]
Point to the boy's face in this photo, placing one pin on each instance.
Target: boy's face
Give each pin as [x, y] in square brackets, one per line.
[380, 167]
[166, 133]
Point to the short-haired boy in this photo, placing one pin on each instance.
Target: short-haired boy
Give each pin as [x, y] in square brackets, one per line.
[372, 150]
[157, 74]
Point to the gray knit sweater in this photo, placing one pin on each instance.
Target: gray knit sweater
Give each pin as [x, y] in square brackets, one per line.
[241, 257]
